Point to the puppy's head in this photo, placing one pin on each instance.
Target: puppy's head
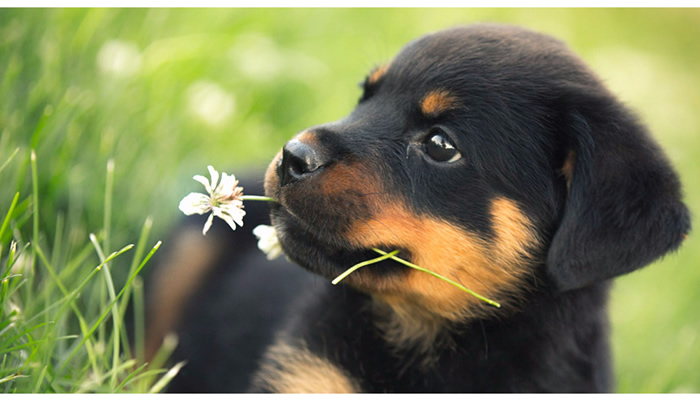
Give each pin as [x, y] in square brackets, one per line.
[488, 154]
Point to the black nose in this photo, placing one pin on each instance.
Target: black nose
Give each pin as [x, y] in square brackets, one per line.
[298, 159]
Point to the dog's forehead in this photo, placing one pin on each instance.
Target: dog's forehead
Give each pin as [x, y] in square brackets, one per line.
[480, 53]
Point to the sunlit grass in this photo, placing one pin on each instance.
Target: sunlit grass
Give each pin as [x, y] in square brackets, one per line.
[50, 340]
[162, 92]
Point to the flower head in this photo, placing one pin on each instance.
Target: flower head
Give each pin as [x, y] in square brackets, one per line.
[268, 241]
[225, 200]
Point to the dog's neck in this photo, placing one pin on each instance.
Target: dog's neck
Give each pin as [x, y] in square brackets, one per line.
[405, 326]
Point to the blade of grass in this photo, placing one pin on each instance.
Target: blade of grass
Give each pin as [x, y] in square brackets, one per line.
[138, 254]
[86, 336]
[12, 378]
[165, 379]
[76, 292]
[126, 298]
[9, 159]
[25, 332]
[76, 262]
[147, 374]
[115, 310]
[14, 256]
[35, 207]
[6, 221]
[58, 240]
[40, 379]
[76, 310]
[115, 372]
[109, 189]
[139, 321]
[130, 377]
[416, 267]
[362, 264]
[166, 349]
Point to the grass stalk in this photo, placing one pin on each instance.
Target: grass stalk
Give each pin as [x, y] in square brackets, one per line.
[161, 357]
[450, 281]
[9, 159]
[258, 198]
[6, 221]
[165, 379]
[362, 264]
[139, 321]
[35, 211]
[81, 319]
[109, 191]
[107, 309]
[138, 254]
[116, 320]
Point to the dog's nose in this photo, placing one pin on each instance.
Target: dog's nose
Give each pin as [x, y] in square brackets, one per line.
[299, 159]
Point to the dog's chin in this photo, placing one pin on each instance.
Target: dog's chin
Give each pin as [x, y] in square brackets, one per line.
[324, 253]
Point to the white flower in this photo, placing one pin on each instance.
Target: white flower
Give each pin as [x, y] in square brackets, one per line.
[224, 201]
[119, 58]
[268, 241]
[210, 103]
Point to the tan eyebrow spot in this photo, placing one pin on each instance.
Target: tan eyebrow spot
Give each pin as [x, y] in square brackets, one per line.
[438, 101]
[377, 74]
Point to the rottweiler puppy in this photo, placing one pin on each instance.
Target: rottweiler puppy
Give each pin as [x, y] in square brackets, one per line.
[489, 154]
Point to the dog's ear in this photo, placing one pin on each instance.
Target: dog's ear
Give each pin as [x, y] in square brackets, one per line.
[624, 207]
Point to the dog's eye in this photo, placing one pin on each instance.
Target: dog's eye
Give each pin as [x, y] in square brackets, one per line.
[440, 148]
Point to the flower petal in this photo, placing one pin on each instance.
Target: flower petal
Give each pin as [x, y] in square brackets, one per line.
[204, 181]
[195, 203]
[234, 209]
[231, 220]
[214, 178]
[227, 187]
[268, 241]
[207, 224]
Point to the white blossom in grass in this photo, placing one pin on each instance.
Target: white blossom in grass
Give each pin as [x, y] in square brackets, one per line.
[268, 242]
[119, 58]
[225, 200]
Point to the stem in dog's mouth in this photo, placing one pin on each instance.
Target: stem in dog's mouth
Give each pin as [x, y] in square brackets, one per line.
[258, 198]
[225, 200]
[392, 255]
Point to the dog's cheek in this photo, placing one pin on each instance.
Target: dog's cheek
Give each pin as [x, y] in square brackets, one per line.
[494, 266]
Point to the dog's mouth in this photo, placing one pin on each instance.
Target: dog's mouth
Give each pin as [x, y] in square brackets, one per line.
[328, 253]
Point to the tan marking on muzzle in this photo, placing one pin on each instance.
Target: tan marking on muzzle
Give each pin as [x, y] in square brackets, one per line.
[353, 177]
[487, 267]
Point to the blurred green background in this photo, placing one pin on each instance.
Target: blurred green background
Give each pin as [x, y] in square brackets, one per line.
[166, 92]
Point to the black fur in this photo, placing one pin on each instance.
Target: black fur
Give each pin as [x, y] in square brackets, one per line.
[524, 105]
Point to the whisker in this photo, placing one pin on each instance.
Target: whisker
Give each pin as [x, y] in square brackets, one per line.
[370, 193]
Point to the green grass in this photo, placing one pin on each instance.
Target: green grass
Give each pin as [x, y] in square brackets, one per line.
[90, 88]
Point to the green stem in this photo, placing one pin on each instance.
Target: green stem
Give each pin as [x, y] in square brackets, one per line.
[116, 321]
[258, 198]
[35, 211]
[414, 266]
[362, 264]
[88, 334]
